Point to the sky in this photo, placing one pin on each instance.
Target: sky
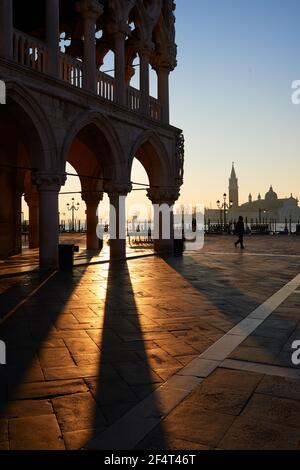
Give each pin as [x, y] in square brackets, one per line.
[231, 95]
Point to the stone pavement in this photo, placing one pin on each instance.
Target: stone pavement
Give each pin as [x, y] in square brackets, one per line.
[94, 351]
[28, 260]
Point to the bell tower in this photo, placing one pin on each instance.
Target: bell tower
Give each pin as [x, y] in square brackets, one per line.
[233, 188]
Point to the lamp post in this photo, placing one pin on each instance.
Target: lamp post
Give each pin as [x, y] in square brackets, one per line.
[73, 208]
[224, 207]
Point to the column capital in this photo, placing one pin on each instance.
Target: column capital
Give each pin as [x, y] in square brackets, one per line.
[92, 197]
[115, 189]
[164, 195]
[32, 199]
[163, 67]
[49, 181]
[145, 49]
[90, 9]
[118, 31]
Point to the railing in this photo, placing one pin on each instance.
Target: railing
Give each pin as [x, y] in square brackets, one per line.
[71, 70]
[155, 109]
[134, 99]
[105, 86]
[29, 51]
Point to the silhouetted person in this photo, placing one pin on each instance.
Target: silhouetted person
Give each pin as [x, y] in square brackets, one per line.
[240, 231]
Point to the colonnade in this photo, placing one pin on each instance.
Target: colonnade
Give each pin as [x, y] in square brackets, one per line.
[42, 201]
[91, 10]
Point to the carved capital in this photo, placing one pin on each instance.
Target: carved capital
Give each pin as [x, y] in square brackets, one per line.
[48, 181]
[89, 9]
[32, 199]
[163, 195]
[145, 48]
[179, 155]
[92, 198]
[116, 189]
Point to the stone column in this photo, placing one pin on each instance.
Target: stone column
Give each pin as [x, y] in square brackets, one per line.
[52, 37]
[120, 68]
[163, 201]
[117, 219]
[18, 226]
[92, 200]
[48, 187]
[6, 29]
[32, 200]
[163, 74]
[144, 55]
[90, 10]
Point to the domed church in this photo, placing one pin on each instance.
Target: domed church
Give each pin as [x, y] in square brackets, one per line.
[271, 207]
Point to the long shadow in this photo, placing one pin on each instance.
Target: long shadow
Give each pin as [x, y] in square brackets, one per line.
[125, 376]
[271, 341]
[26, 331]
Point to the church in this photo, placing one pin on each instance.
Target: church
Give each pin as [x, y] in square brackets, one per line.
[268, 209]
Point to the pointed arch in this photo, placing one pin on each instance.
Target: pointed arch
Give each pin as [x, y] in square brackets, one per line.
[104, 139]
[33, 120]
[152, 154]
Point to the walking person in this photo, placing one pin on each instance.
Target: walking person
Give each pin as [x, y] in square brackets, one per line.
[240, 232]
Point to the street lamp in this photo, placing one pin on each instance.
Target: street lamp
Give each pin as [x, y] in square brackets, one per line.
[73, 208]
[224, 207]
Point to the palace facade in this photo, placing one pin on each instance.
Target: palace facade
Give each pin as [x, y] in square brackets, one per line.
[62, 107]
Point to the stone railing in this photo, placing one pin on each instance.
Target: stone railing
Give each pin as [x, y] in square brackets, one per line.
[155, 109]
[105, 86]
[71, 70]
[133, 99]
[29, 51]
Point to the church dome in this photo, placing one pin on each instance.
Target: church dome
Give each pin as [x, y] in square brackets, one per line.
[271, 195]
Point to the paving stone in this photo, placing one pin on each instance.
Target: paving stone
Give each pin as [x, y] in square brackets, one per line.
[78, 412]
[107, 391]
[160, 440]
[49, 389]
[253, 434]
[51, 357]
[278, 410]
[137, 373]
[200, 426]
[81, 345]
[234, 379]
[115, 412]
[24, 408]
[76, 372]
[199, 368]
[175, 347]
[280, 387]
[75, 440]
[254, 355]
[157, 358]
[35, 433]
[219, 399]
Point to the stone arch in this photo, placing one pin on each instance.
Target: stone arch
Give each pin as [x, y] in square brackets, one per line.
[152, 154]
[103, 141]
[34, 123]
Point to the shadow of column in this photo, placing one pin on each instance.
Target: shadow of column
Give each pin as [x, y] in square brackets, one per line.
[123, 347]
